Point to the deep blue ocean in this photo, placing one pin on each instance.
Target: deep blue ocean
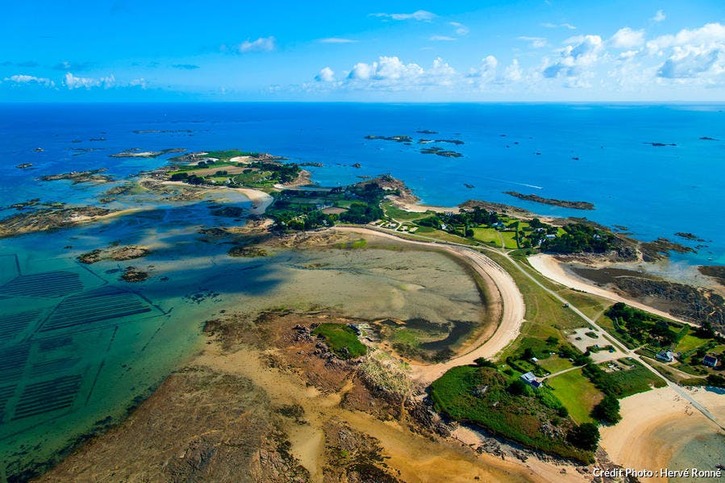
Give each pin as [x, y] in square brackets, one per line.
[597, 153]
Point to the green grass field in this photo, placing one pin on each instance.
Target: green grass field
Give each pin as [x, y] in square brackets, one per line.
[490, 236]
[341, 340]
[429, 232]
[555, 364]
[402, 215]
[690, 342]
[577, 394]
[509, 240]
[545, 315]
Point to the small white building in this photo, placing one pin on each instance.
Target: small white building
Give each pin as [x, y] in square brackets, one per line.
[530, 378]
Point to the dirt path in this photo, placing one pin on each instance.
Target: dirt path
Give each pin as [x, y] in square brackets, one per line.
[510, 300]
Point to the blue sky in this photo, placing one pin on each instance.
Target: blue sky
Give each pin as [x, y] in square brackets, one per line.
[435, 51]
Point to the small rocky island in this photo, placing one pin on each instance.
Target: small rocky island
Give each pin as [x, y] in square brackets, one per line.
[397, 139]
[137, 153]
[90, 176]
[576, 205]
[441, 152]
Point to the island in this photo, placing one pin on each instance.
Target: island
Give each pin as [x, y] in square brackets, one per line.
[89, 176]
[441, 152]
[138, 153]
[397, 139]
[575, 205]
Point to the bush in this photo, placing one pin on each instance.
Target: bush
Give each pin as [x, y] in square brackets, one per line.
[483, 362]
[518, 388]
[716, 380]
[341, 340]
[607, 410]
[585, 436]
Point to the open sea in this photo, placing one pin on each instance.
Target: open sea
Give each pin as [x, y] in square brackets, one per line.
[78, 347]
[597, 153]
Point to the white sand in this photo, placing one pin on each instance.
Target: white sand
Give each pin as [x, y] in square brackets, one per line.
[656, 424]
[260, 200]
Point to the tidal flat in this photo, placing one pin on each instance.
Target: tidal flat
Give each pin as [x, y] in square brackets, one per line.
[83, 346]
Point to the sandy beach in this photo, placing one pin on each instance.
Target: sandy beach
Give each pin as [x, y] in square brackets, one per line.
[555, 270]
[656, 425]
[415, 207]
[260, 200]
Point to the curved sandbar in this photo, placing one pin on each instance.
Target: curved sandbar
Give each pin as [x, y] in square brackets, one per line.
[500, 284]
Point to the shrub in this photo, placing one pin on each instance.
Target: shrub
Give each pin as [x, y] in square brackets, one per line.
[607, 410]
[585, 436]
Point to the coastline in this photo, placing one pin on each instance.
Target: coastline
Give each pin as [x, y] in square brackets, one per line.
[509, 297]
[553, 269]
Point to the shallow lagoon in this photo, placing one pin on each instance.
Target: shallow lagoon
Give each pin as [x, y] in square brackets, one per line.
[81, 346]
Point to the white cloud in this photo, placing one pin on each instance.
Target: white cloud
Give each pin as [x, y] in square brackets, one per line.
[362, 71]
[262, 44]
[550, 25]
[337, 40]
[326, 75]
[419, 15]
[73, 82]
[29, 79]
[693, 62]
[659, 16]
[709, 35]
[627, 62]
[535, 42]
[626, 38]
[392, 74]
[575, 58]
[461, 29]
[140, 82]
[441, 38]
[692, 54]
[513, 72]
[487, 68]
[485, 74]
[441, 73]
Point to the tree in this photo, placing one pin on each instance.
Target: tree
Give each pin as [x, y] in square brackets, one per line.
[585, 436]
[518, 388]
[483, 362]
[607, 410]
[716, 380]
